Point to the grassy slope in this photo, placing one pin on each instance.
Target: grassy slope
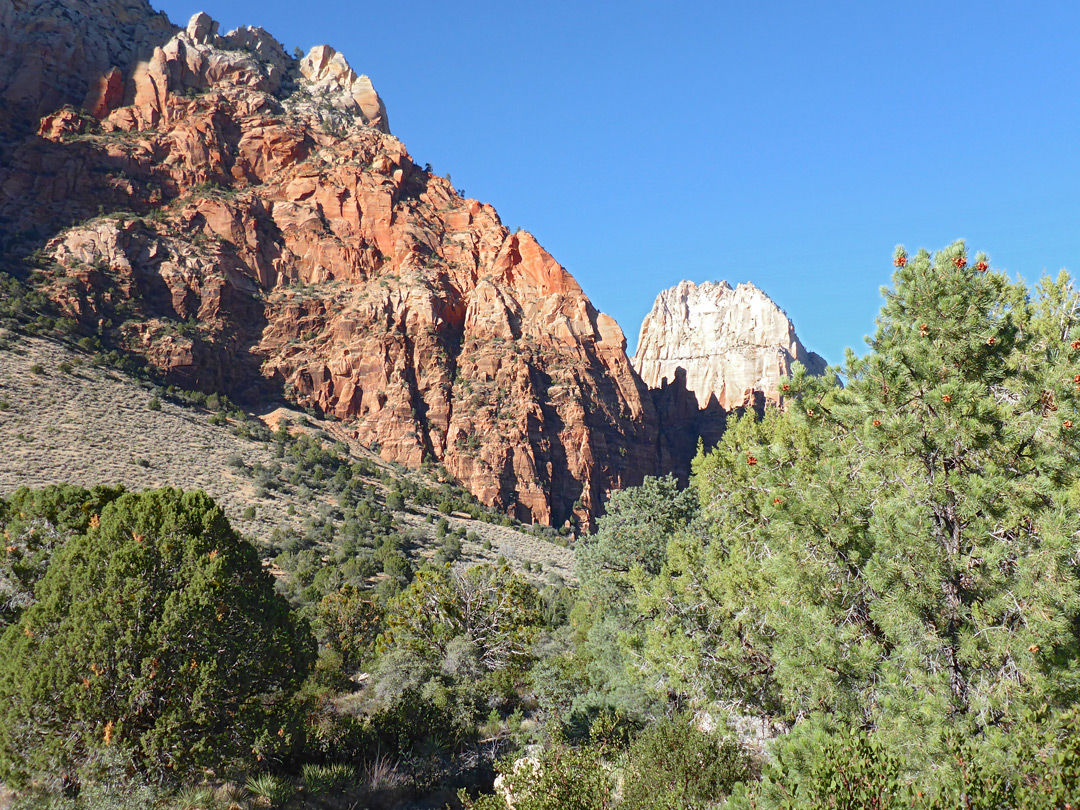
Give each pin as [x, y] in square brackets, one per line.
[91, 425]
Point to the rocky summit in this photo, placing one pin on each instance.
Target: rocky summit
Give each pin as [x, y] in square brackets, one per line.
[244, 221]
[723, 344]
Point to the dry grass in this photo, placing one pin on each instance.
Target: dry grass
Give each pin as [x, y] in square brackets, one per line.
[93, 426]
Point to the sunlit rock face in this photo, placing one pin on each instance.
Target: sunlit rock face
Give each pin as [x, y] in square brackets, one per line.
[729, 343]
[244, 221]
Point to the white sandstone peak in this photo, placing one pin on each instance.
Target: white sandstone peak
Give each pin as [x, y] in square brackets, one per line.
[730, 341]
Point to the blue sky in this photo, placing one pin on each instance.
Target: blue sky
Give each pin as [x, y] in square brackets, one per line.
[791, 144]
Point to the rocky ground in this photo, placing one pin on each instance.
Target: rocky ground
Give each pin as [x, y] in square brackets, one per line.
[64, 419]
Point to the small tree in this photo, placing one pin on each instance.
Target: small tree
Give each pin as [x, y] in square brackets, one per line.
[349, 621]
[675, 764]
[495, 611]
[156, 630]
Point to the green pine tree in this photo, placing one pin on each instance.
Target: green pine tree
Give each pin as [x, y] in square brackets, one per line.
[900, 553]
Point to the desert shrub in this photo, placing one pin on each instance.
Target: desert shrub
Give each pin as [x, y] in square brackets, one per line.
[561, 778]
[156, 629]
[497, 610]
[674, 764]
[396, 566]
[108, 781]
[449, 551]
[348, 621]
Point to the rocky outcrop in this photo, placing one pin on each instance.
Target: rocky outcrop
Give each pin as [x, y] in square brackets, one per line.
[245, 222]
[725, 343]
[329, 77]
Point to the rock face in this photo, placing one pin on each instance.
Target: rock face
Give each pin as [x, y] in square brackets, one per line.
[727, 344]
[245, 222]
[52, 52]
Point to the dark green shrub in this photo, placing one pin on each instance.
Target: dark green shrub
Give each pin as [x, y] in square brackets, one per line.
[348, 622]
[396, 566]
[159, 630]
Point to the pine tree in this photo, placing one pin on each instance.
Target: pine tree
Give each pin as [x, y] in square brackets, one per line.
[899, 553]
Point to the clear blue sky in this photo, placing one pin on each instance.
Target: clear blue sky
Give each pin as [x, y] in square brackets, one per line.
[790, 144]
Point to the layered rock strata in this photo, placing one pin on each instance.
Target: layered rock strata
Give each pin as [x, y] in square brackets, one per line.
[724, 345]
[245, 222]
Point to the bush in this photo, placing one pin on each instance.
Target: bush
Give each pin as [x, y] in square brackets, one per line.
[396, 566]
[1033, 763]
[674, 764]
[156, 629]
[108, 782]
[562, 778]
[449, 552]
[348, 622]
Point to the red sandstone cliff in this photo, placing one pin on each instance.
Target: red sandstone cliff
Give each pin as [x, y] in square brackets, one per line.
[246, 222]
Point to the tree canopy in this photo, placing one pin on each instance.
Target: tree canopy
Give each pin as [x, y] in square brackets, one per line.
[35, 522]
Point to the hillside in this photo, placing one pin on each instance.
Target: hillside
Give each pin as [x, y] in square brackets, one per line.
[63, 418]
